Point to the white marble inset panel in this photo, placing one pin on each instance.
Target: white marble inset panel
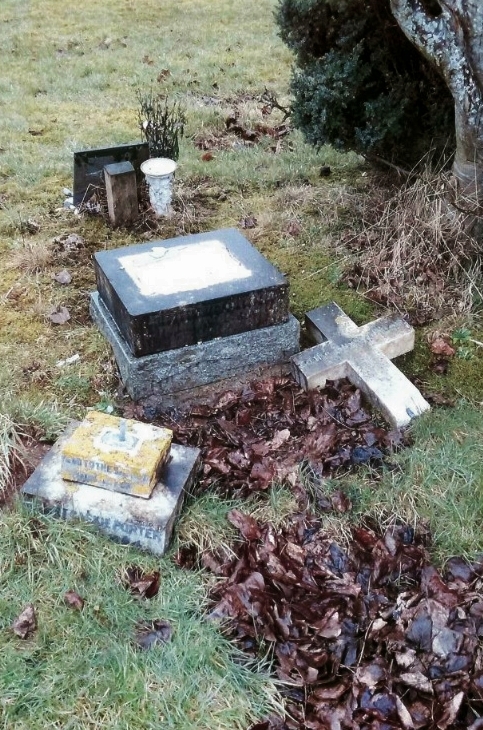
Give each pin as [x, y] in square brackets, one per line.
[165, 271]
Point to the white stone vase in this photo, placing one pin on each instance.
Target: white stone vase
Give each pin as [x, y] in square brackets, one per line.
[159, 174]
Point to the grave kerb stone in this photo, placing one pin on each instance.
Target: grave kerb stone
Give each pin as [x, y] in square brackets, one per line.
[361, 354]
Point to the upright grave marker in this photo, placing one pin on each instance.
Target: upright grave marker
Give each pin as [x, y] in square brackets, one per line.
[361, 354]
[191, 310]
[121, 193]
[89, 166]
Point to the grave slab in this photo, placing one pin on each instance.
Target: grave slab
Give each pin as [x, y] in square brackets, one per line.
[143, 523]
[89, 166]
[119, 454]
[189, 367]
[361, 354]
[164, 295]
[122, 193]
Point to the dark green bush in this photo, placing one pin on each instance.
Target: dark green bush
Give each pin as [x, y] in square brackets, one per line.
[360, 85]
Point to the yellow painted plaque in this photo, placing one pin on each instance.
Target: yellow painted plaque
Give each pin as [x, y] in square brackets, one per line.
[119, 454]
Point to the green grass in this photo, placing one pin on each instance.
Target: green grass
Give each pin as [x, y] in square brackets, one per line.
[438, 480]
[82, 669]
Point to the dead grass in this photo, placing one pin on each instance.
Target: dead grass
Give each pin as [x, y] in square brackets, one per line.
[415, 252]
[31, 257]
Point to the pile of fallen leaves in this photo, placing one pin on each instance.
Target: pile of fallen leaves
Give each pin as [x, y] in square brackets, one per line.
[271, 427]
[368, 637]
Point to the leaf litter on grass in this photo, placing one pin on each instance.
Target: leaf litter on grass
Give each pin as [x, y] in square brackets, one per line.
[365, 634]
[269, 428]
[366, 637]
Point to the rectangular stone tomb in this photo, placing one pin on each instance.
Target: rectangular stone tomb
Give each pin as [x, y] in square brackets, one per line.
[189, 367]
[165, 295]
[143, 523]
[89, 166]
[117, 454]
[361, 354]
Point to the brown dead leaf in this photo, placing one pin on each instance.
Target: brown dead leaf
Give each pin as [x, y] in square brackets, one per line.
[404, 715]
[440, 366]
[280, 438]
[294, 228]
[249, 221]
[63, 277]
[418, 681]
[150, 633]
[451, 709]
[341, 502]
[246, 524]
[140, 583]
[207, 157]
[163, 74]
[59, 315]
[440, 346]
[26, 622]
[73, 600]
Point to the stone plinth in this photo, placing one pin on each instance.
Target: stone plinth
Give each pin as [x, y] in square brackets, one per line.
[180, 370]
[165, 295]
[361, 354]
[112, 453]
[143, 523]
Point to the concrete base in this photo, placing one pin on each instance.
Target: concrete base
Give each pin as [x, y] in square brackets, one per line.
[196, 365]
[144, 523]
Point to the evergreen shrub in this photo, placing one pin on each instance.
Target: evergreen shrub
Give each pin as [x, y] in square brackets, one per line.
[360, 85]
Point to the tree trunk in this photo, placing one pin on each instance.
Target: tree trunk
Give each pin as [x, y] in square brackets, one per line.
[450, 35]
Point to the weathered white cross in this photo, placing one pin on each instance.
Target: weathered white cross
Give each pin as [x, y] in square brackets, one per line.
[361, 354]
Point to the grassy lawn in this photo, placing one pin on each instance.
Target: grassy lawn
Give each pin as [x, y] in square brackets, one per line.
[69, 81]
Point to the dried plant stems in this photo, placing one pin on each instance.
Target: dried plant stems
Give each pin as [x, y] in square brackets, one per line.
[161, 124]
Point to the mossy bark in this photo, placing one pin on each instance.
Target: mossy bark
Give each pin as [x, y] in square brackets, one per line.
[450, 35]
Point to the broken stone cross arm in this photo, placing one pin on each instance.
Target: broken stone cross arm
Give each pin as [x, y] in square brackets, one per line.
[361, 354]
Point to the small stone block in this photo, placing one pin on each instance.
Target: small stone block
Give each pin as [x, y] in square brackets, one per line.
[116, 169]
[121, 193]
[168, 294]
[361, 354]
[116, 454]
[143, 523]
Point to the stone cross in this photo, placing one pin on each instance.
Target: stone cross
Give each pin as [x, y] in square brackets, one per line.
[361, 354]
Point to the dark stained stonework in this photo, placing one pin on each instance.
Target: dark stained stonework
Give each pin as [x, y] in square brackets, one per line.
[155, 322]
[175, 373]
[89, 166]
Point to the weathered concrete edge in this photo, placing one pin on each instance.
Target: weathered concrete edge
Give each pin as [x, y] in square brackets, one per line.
[196, 365]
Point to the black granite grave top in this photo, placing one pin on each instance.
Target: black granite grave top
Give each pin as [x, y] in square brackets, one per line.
[89, 166]
[154, 322]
